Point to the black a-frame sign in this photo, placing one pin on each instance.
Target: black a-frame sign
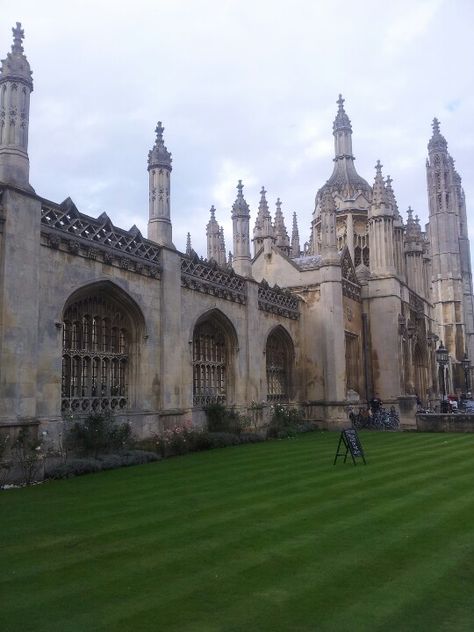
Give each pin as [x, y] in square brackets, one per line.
[349, 443]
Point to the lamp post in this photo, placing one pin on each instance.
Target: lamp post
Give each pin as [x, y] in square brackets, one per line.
[466, 365]
[442, 359]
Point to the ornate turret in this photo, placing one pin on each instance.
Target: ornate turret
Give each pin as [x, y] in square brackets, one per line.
[450, 252]
[295, 238]
[437, 141]
[381, 237]
[263, 229]
[282, 241]
[328, 228]
[16, 85]
[344, 179]
[213, 236]
[222, 260]
[398, 229]
[381, 204]
[189, 248]
[159, 168]
[241, 238]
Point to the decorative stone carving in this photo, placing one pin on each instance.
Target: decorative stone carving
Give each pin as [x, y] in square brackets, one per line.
[209, 278]
[99, 236]
[277, 301]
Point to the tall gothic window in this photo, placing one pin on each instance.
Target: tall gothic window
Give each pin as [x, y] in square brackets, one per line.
[353, 368]
[210, 364]
[278, 355]
[96, 341]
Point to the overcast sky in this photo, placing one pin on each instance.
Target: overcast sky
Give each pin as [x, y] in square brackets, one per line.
[245, 90]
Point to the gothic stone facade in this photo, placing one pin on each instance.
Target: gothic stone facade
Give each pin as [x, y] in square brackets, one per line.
[94, 317]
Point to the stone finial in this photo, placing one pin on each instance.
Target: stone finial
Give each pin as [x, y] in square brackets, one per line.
[341, 121]
[391, 196]
[18, 36]
[159, 156]
[281, 234]
[380, 198]
[295, 238]
[16, 67]
[437, 141]
[240, 207]
[212, 210]
[188, 244]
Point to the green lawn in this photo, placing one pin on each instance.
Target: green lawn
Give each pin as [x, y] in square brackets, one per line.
[259, 537]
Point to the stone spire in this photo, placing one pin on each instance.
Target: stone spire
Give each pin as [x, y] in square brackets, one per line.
[381, 236]
[241, 238]
[159, 169]
[328, 228]
[213, 236]
[398, 230]
[414, 252]
[222, 260]
[437, 141]
[282, 240]
[16, 85]
[263, 224]
[391, 198]
[451, 272]
[344, 179]
[189, 248]
[381, 203]
[295, 238]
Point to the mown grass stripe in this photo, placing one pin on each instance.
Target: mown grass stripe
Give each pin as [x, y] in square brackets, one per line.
[260, 537]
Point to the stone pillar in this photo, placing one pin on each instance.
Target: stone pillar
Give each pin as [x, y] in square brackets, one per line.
[19, 305]
[159, 169]
[15, 87]
[240, 224]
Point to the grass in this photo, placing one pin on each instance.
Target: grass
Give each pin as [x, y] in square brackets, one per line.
[253, 538]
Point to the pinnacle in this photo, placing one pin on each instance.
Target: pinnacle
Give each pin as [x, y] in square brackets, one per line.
[437, 141]
[341, 121]
[240, 207]
[380, 196]
[18, 36]
[159, 156]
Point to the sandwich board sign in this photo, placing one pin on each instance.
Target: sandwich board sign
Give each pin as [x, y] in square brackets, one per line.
[349, 443]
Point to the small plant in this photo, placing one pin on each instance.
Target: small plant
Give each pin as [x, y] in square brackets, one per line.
[222, 419]
[177, 440]
[99, 433]
[27, 452]
[285, 422]
[5, 466]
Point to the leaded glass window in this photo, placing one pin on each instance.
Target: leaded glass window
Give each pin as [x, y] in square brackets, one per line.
[278, 367]
[95, 356]
[210, 369]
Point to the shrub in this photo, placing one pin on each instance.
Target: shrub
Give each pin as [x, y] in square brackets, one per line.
[77, 467]
[251, 437]
[284, 422]
[5, 465]
[99, 433]
[222, 419]
[176, 441]
[74, 467]
[28, 454]
[222, 439]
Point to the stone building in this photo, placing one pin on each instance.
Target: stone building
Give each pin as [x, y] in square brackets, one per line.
[94, 317]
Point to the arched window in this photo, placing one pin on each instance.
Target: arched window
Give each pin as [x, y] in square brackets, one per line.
[278, 358]
[95, 355]
[210, 364]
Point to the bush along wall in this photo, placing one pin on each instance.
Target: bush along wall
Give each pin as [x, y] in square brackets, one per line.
[100, 443]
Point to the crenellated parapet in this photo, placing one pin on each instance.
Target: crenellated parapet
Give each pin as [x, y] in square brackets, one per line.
[277, 301]
[207, 277]
[65, 228]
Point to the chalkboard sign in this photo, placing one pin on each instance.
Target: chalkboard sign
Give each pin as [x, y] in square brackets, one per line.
[350, 443]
